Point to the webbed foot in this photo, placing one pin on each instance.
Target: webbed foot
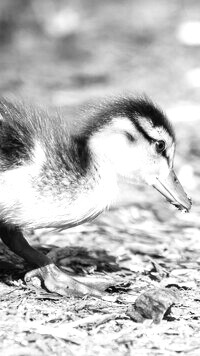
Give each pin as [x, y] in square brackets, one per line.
[57, 281]
[49, 275]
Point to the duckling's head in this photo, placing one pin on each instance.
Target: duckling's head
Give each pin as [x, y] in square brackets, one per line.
[137, 139]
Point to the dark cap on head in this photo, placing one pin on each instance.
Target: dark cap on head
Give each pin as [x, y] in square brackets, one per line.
[128, 107]
[144, 107]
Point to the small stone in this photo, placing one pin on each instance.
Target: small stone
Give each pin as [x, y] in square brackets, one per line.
[153, 304]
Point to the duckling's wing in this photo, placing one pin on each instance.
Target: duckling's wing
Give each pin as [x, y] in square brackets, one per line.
[16, 141]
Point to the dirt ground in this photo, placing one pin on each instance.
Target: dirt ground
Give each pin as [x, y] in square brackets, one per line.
[66, 53]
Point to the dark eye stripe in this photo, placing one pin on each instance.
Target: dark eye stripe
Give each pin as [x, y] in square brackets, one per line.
[150, 139]
[143, 132]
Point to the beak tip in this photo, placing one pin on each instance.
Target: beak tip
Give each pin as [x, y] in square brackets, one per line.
[172, 190]
[185, 207]
[189, 205]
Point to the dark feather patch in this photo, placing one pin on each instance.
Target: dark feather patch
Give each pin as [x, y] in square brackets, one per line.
[15, 139]
[73, 155]
[23, 126]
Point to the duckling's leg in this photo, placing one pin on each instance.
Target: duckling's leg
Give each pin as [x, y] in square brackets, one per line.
[51, 276]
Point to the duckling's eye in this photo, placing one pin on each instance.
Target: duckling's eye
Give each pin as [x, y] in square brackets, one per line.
[160, 146]
[129, 136]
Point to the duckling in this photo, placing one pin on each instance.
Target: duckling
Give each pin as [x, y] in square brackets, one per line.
[59, 174]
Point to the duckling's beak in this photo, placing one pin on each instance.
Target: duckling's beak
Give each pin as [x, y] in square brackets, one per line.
[171, 188]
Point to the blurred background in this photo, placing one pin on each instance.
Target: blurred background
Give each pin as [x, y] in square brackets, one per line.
[63, 52]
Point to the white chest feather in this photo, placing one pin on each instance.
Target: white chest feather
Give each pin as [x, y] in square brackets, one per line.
[23, 204]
